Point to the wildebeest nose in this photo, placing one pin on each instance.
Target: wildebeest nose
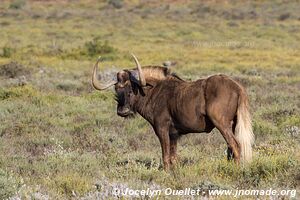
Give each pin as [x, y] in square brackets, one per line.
[123, 111]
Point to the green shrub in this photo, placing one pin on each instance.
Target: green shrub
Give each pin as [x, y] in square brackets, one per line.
[267, 168]
[17, 4]
[8, 185]
[16, 92]
[72, 183]
[97, 47]
[7, 52]
[116, 3]
[67, 85]
[13, 70]
[262, 128]
[93, 48]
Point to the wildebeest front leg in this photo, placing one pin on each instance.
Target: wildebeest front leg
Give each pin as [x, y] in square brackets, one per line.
[163, 135]
[173, 149]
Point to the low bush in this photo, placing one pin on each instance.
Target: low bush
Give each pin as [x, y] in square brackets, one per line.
[13, 70]
[17, 4]
[7, 52]
[97, 47]
[92, 49]
[8, 185]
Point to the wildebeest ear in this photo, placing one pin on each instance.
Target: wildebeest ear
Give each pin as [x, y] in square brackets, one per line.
[134, 76]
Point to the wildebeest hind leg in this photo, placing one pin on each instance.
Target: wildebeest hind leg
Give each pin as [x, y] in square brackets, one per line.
[225, 127]
[231, 141]
[230, 154]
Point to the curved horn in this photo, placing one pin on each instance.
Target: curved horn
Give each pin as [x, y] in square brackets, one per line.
[96, 83]
[139, 68]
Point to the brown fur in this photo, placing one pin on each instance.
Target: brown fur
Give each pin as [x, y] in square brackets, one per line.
[175, 107]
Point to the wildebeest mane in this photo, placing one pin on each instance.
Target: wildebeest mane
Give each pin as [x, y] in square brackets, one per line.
[158, 73]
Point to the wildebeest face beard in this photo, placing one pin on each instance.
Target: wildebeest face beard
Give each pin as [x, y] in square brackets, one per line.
[124, 97]
[119, 98]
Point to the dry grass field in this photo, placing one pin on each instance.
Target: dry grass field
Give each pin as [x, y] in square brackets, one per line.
[61, 139]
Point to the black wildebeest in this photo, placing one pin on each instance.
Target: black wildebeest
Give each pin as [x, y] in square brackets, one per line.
[175, 107]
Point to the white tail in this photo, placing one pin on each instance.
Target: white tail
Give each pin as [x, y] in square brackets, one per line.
[243, 129]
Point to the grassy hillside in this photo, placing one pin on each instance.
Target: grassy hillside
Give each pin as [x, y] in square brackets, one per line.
[60, 139]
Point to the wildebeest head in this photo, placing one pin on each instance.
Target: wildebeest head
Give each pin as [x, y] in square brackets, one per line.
[127, 85]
